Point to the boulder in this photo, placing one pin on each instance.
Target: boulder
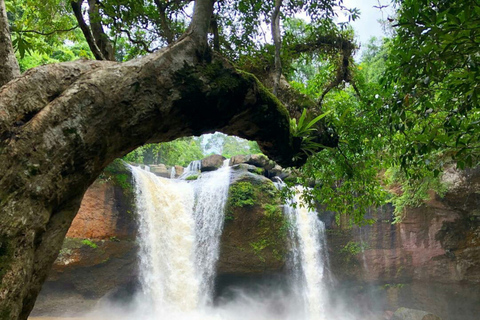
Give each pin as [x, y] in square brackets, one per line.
[248, 167]
[238, 159]
[254, 239]
[261, 161]
[179, 171]
[160, 170]
[213, 162]
[412, 314]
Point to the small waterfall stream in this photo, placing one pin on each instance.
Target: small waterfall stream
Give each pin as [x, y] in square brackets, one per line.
[211, 191]
[309, 257]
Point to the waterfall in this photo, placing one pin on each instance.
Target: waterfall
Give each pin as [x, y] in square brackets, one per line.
[172, 172]
[167, 241]
[180, 225]
[193, 167]
[309, 257]
[211, 191]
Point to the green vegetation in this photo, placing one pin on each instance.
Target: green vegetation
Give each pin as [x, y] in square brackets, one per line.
[271, 228]
[192, 177]
[354, 248]
[178, 152]
[241, 194]
[89, 243]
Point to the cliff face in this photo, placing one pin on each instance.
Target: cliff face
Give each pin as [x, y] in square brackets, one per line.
[429, 261]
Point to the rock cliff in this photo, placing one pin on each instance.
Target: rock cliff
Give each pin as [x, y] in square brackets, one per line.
[429, 261]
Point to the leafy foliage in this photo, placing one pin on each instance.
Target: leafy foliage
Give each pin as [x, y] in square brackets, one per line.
[434, 69]
[178, 152]
[305, 130]
[241, 194]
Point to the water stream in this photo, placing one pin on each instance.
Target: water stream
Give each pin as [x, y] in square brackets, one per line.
[309, 258]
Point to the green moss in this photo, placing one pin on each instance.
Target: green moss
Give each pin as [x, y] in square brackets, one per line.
[241, 194]
[258, 247]
[259, 171]
[192, 177]
[118, 174]
[72, 243]
[89, 243]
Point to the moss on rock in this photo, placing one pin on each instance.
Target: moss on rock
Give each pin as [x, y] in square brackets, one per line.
[255, 234]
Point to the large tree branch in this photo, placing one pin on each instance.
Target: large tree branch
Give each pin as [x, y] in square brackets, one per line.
[9, 68]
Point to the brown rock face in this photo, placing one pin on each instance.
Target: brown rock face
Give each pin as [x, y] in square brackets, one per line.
[101, 214]
[430, 261]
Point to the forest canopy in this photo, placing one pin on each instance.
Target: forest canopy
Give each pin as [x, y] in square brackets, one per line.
[402, 113]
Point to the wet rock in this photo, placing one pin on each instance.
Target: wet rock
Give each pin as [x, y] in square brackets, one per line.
[261, 161]
[238, 159]
[179, 171]
[254, 240]
[248, 167]
[212, 162]
[412, 314]
[160, 170]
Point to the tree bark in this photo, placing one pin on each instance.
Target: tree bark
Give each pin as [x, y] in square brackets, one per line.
[101, 39]
[9, 68]
[164, 22]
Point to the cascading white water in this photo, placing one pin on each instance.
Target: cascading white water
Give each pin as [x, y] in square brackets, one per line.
[211, 190]
[167, 241]
[309, 259]
[180, 225]
[193, 168]
[173, 172]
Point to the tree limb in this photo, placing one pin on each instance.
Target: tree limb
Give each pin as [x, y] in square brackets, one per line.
[216, 35]
[164, 23]
[101, 39]
[46, 33]
[9, 68]
[139, 42]
[77, 10]
[277, 40]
